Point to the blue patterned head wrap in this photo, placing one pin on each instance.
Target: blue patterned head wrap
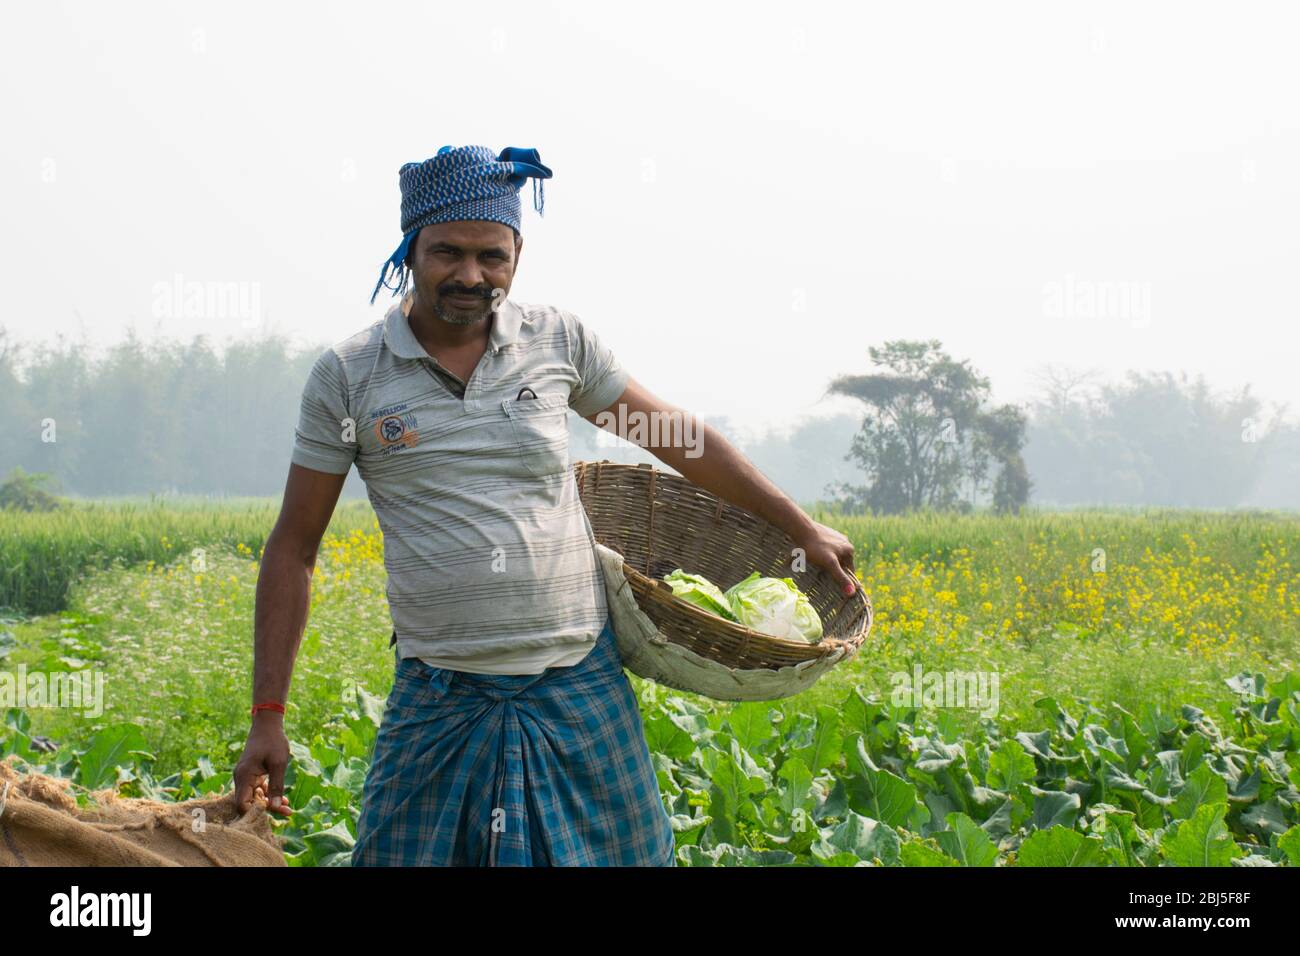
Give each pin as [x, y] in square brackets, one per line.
[467, 182]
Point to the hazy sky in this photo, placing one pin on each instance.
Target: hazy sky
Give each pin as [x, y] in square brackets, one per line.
[745, 197]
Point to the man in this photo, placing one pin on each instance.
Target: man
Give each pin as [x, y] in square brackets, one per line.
[512, 735]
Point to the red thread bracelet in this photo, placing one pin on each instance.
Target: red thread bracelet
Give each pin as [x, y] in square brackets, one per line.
[278, 708]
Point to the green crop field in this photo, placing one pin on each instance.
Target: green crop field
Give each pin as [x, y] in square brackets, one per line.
[1145, 669]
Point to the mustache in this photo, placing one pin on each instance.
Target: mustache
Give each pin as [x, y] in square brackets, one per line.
[477, 293]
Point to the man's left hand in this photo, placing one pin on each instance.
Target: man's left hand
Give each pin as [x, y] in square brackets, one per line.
[831, 550]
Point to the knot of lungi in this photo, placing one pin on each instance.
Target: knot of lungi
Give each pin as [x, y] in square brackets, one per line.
[498, 687]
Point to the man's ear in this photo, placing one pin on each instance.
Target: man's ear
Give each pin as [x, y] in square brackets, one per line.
[410, 250]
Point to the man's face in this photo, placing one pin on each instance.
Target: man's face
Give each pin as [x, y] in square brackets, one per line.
[456, 266]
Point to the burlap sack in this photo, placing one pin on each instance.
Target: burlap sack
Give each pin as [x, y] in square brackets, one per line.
[41, 825]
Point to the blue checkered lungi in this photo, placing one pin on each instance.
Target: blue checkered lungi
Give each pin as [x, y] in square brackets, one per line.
[547, 769]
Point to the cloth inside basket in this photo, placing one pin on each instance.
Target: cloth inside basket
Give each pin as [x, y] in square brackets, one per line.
[649, 654]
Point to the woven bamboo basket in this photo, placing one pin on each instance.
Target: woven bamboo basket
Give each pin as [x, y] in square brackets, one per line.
[659, 521]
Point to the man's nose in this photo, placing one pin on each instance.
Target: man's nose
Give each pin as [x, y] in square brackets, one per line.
[468, 275]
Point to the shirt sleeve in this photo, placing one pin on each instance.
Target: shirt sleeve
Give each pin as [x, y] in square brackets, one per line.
[601, 379]
[318, 440]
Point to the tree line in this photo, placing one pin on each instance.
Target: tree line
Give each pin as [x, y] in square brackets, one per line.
[163, 416]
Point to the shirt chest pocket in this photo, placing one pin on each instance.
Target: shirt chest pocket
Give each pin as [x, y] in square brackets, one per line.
[541, 432]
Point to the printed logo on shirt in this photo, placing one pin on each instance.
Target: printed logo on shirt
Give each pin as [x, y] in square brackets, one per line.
[396, 432]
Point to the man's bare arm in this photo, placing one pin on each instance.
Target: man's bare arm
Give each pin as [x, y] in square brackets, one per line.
[284, 584]
[279, 620]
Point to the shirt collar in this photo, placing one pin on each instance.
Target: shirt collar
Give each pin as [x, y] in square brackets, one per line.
[402, 342]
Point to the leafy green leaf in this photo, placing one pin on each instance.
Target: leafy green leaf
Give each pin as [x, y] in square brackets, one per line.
[1060, 846]
[1203, 786]
[827, 740]
[966, 843]
[1011, 767]
[1289, 843]
[880, 794]
[1054, 808]
[1265, 818]
[865, 838]
[108, 749]
[916, 853]
[751, 723]
[1202, 840]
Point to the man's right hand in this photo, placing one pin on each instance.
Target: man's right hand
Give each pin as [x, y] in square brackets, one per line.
[262, 765]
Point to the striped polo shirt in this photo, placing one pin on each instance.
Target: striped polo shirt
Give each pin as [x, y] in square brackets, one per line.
[490, 556]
